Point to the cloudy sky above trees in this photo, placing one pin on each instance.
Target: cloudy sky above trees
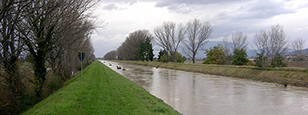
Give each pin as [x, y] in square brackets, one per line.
[115, 19]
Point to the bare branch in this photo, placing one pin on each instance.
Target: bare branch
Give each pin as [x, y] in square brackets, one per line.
[298, 46]
[197, 36]
[169, 36]
[239, 40]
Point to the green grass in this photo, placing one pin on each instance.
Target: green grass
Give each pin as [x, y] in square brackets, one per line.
[101, 91]
[290, 76]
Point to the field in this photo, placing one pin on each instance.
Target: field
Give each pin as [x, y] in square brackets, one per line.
[100, 91]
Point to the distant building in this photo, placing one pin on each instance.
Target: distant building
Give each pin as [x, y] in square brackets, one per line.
[252, 59]
[290, 58]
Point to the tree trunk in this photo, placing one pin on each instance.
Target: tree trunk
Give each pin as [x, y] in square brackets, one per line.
[39, 74]
[173, 54]
[193, 57]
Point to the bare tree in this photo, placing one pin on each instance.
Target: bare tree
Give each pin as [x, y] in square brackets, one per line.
[72, 30]
[163, 35]
[298, 46]
[169, 36]
[227, 50]
[41, 26]
[197, 36]
[272, 44]
[277, 41]
[239, 40]
[47, 30]
[261, 41]
[176, 40]
[68, 35]
[11, 46]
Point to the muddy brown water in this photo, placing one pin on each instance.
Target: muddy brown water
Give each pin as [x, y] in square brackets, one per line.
[202, 94]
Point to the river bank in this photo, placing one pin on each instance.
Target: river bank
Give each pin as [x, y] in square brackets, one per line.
[101, 91]
[281, 76]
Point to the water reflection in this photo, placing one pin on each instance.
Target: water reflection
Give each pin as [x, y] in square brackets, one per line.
[199, 94]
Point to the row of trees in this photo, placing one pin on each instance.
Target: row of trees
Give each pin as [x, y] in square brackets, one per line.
[233, 52]
[271, 44]
[112, 55]
[50, 33]
[271, 47]
[218, 55]
[137, 46]
[298, 47]
[194, 35]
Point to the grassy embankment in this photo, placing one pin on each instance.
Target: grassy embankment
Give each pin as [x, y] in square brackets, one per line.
[295, 77]
[100, 91]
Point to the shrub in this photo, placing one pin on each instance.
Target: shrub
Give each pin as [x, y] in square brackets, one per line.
[53, 83]
[239, 57]
[215, 55]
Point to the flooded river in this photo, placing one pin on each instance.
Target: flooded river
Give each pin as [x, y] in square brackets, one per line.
[201, 94]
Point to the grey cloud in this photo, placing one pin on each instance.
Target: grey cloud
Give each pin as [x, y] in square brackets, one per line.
[304, 5]
[258, 9]
[185, 6]
[165, 3]
[111, 7]
[249, 9]
[267, 8]
[119, 1]
[181, 8]
[129, 2]
[116, 4]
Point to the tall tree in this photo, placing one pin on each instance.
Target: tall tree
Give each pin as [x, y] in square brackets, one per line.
[272, 44]
[70, 39]
[129, 48]
[46, 30]
[277, 41]
[298, 46]
[41, 25]
[261, 42]
[146, 50]
[169, 36]
[11, 46]
[197, 35]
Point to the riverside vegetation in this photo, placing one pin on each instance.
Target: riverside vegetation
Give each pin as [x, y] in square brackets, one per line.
[284, 76]
[101, 91]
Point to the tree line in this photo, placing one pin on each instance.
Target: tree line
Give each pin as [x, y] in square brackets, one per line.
[169, 37]
[46, 34]
[137, 46]
[271, 45]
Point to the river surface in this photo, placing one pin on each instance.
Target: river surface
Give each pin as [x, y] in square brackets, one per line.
[202, 94]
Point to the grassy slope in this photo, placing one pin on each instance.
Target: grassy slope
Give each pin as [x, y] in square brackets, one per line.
[295, 77]
[101, 91]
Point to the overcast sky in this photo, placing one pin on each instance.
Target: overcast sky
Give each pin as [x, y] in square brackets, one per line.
[115, 19]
